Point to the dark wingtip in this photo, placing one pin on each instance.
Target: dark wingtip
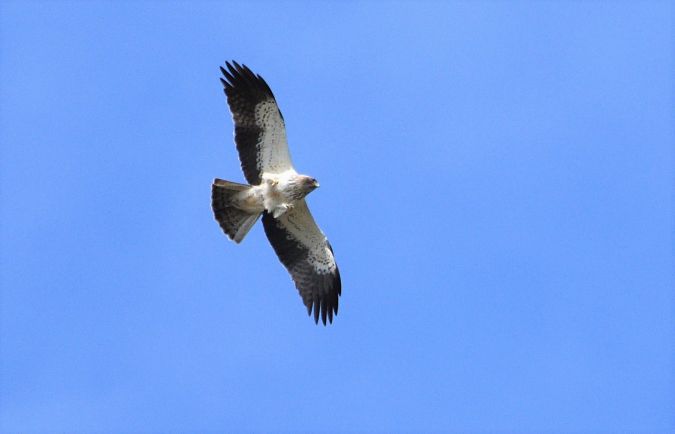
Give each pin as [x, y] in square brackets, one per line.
[240, 75]
[322, 309]
[229, 72]
[316, 310]
[227, 79]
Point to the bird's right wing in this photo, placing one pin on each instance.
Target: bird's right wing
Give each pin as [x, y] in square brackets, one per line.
[307, 255]
[259, 130]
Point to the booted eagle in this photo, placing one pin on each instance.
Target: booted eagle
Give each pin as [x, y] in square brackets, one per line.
[276, 191]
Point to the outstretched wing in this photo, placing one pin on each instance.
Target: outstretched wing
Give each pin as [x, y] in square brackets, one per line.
[259, 130]
[308, 257]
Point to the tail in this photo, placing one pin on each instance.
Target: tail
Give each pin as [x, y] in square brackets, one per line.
[235, 222]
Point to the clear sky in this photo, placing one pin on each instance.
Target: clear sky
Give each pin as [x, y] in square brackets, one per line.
[496, 181]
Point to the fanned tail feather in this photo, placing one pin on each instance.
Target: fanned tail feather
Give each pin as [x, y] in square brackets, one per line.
[234, 222]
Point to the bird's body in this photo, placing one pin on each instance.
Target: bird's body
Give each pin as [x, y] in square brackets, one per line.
[275, 191]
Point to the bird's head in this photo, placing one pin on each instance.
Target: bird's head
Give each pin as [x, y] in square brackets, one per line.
[310, 184]
[307, 185]
[301, 186]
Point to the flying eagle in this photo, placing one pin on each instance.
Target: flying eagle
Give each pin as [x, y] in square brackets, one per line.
[276, 191]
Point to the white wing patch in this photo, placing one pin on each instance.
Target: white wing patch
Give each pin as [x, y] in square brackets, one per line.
[302, 227]
[273, 155]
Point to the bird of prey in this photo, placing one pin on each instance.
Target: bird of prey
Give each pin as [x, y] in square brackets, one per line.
[275, 191]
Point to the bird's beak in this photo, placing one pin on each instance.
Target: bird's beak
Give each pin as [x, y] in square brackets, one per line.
[316, 184]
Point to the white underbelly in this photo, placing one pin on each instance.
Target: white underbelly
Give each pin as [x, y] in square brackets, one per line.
[269, 196]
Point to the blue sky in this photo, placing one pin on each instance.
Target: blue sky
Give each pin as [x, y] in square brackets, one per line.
[496, 181]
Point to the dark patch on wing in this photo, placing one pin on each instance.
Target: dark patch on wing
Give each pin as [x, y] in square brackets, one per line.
[319, 292]
[245, 90]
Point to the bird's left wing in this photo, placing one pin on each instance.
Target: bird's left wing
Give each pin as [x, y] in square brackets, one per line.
[308, 256]
[259, 130]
